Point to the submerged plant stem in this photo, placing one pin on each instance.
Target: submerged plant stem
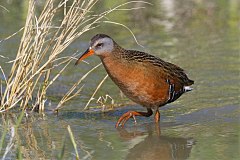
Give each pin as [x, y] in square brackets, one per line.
[73, 141]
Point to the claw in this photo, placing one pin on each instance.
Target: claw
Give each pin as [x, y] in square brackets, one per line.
[135, 121]
[131, 114]
[124, 118]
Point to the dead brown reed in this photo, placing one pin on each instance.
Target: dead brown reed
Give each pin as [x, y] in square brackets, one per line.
[44, 38]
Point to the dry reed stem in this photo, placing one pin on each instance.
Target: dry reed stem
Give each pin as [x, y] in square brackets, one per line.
[103, 100]
[73, 141]
[27, 66]
[10, 143]
[98, 87]
[4, 8]
[12, 35]
[41, 46]
[71, 94]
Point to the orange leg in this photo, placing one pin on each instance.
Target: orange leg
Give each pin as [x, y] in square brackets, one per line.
[131, 114]
[157, 116]
[157, 119]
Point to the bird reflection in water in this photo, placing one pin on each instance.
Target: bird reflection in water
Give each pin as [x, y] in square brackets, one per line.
[155, 146]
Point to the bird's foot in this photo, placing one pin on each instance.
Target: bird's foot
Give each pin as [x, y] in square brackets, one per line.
[124, 118]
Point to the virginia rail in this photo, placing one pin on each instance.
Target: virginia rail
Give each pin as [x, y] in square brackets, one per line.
[144, 78]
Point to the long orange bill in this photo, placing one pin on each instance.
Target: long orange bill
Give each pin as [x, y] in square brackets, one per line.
[86, 54]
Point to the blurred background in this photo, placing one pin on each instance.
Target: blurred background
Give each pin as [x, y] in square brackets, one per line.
[200, 36]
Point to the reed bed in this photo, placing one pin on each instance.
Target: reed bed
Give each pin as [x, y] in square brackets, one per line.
[45, 37]
[38, 64]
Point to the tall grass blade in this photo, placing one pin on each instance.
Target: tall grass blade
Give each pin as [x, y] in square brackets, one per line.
[73, 142]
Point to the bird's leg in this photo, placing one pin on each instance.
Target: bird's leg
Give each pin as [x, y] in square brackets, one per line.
[158, 129]
[157, 119]
[157, 116]
[131, 114]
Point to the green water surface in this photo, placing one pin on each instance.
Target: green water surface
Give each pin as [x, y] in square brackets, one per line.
[200, 36]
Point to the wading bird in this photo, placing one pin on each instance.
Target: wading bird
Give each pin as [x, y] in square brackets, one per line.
[144, 78]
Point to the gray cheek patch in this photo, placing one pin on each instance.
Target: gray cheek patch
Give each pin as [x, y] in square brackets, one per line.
[107, 46]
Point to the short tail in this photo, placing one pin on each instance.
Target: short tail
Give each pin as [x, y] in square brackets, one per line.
[189, 82]
[187, 85]
[187, 88]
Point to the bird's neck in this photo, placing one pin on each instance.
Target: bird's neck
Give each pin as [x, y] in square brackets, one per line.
[115, 55]
[114, 63]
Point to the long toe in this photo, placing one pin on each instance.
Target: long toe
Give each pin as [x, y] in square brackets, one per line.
[124, 118]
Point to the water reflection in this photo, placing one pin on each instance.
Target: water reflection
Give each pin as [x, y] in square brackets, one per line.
[155, 145]
[201, 36]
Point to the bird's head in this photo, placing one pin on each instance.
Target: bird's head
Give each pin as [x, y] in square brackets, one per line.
[100, 45]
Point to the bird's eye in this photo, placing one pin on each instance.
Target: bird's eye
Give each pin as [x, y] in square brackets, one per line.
[99, 45]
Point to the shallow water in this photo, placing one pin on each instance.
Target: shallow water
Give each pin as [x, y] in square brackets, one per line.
[200, 36]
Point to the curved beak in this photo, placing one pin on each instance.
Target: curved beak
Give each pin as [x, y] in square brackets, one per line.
[86, 54]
